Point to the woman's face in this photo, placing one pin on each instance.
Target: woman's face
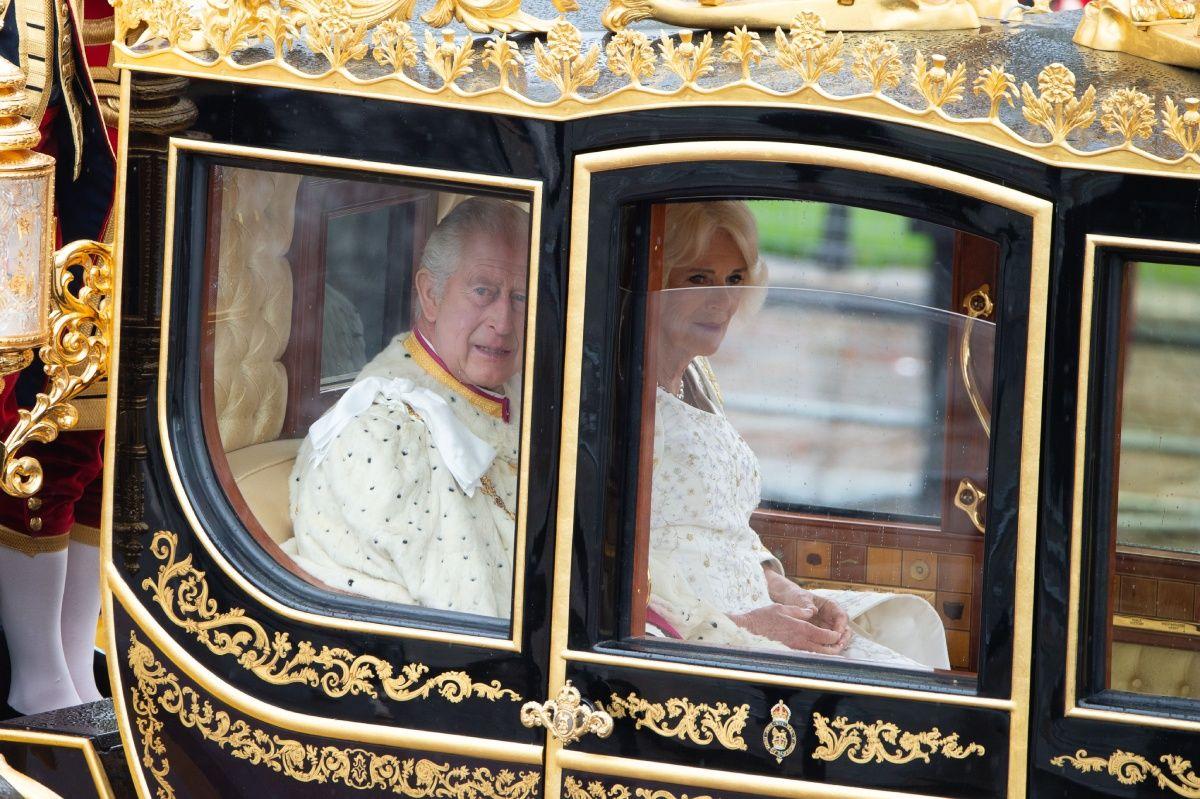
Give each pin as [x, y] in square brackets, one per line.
[694, 322]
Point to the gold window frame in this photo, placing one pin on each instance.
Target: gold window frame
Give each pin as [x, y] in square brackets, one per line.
[1071, 706]
[1040, 213]
[533, 188]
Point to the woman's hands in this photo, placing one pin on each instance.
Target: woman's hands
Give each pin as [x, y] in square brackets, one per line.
[798, 618]
[796, 627]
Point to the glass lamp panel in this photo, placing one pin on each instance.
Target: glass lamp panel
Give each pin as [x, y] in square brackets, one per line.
[25, 253]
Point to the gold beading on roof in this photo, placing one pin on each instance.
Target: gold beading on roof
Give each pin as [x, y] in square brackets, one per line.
[323, 47]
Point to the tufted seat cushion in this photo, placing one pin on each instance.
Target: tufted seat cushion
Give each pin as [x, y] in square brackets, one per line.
[1155, 670]
[261, 472]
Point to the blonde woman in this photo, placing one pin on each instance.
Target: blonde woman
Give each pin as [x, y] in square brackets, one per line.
[712, 580]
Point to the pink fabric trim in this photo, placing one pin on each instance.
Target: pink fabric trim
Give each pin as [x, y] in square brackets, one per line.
[656, 618]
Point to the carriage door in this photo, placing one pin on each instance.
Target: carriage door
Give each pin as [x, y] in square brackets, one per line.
[299, 604]
[829, 405]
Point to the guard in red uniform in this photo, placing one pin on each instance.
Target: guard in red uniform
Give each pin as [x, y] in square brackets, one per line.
[49, 544]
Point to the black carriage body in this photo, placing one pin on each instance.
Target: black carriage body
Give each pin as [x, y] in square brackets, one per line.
[205, 715]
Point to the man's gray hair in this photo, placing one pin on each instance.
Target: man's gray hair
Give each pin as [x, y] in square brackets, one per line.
[493, 218]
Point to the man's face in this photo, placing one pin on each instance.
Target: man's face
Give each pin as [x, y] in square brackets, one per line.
[477, 325]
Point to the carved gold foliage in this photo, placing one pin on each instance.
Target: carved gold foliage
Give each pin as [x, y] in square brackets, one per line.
[744, 48]
[394, 45]
[182, 592]
[75, 357]
[503, 55]
[806, 50]
[630, 55]
[1054, 106]
[938, 86]
[158, 691]
[562, 60]
[448, 59]
[884, 742]
[1130, 769]
[147, 20]
[999, 87]
[333, 33]
[1183, 129]
[1129, 113]
[877, 61]
[688, 60]
[681, 718]
[574, 789]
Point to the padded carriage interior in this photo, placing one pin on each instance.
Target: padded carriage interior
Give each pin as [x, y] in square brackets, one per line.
[1156, 670]
[253, 314]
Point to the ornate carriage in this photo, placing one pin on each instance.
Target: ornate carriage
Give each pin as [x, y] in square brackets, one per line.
[969, 377]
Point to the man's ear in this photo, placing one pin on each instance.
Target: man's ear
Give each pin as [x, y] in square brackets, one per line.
[426, 295]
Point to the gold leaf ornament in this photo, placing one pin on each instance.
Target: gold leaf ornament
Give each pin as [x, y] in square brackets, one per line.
[561, 60]
[877, 61]
[567, 717]
[683, 719]
[688, 60]
[503, 55]
[1131, 769]
[1054, 106]
[940, 87]
[156, 691]
[631, 55]
[181, 591]
[998, 86]
[744, 48]
[448, 59]
[393, 45]
[1183, 129]
[806, 50]
[884, 742]
[1128, 112]
[332, 32]
[575, 789]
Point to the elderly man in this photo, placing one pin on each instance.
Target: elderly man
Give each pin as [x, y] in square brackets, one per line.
[405, 490]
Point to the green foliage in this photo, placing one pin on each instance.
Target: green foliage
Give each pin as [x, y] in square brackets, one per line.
[877, 239]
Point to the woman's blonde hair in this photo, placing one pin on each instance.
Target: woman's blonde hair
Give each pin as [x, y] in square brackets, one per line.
[690, 228]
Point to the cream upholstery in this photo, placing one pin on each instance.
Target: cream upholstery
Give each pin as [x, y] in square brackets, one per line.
[253, 319]
[254, 305]
[1156, 670]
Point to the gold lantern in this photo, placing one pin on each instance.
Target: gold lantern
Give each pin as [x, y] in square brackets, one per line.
[37, 306]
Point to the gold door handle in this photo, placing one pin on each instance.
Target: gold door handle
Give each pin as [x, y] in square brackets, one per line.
[568, 717]
[978, 304]
[969, 499]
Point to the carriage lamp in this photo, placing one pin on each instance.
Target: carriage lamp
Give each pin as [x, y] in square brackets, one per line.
[38, 309]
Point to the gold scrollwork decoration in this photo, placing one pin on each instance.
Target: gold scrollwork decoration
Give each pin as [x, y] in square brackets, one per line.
[575, 789]
[157, 691]
[681, 718]
[567, 717]
[357, 36]
[1130, 769]
[75, 358]
[181, 591]
[884, 742]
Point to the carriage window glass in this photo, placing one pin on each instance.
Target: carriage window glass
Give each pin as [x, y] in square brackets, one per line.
[1155, 516]
[362, 383]
[818, 470]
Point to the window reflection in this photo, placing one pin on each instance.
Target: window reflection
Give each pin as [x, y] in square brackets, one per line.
[363, 389]
[1156, 528]
[801, 436]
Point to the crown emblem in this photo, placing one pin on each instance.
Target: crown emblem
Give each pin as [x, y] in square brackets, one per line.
[781, 713]
[779, 736]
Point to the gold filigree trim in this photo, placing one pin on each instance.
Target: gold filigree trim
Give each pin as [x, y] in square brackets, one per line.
[157, 690]
[884, 742]
[1142, 136]
[1131, 769]
[575, 789]
[182, 592]
[681, 718]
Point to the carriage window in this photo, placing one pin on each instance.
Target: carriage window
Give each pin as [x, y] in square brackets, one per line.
[362, 382]
[814, 432]
[1155, 604]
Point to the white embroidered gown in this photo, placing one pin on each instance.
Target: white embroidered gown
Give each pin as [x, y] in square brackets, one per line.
[706, 562]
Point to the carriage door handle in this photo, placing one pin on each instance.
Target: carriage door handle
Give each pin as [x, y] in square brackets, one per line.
[568, 717]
